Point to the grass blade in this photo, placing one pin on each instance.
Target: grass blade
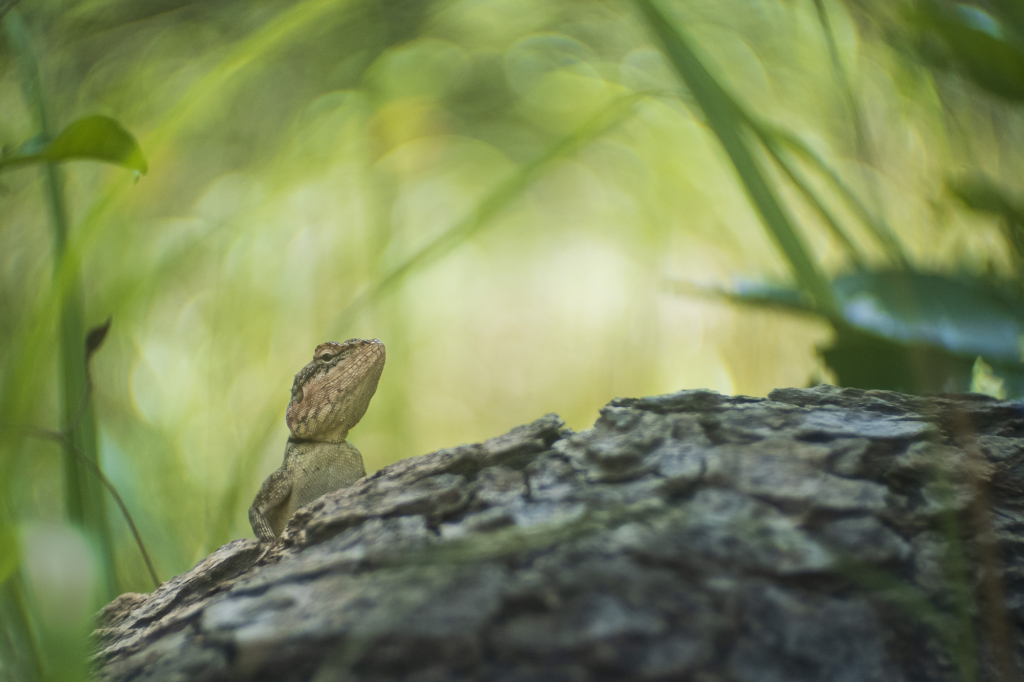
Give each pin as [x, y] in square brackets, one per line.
[878, 227]
[725, 121]
[91, 465]
[764, 300]
[83, 496]
[811, 196]
[861, 135]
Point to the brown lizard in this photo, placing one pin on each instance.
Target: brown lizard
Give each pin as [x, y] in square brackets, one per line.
[330, 395]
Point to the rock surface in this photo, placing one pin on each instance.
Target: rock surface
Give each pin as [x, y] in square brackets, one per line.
[825, 534]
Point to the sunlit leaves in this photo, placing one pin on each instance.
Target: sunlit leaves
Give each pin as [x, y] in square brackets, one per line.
[98, 138]
[984, 380]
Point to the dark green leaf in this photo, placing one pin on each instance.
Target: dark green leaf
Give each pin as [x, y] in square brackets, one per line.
[962, 315]
[909, 331]
[863, 360]
[99, 138]
[1011, 12]
[94, 339]
[982, 48]
[982, 194]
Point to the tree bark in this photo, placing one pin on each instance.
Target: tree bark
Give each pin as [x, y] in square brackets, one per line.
[825, 534]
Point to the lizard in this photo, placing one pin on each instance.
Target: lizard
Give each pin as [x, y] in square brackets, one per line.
[329, 397]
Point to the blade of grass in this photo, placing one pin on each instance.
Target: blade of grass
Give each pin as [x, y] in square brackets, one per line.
[861, 133]
[878, 227]
[83, 496]
[64, 440]
[844, 81]
[762, 301]
[93, 342]
[491, 205]
[812, 198]
[22, 654]
[724, 120]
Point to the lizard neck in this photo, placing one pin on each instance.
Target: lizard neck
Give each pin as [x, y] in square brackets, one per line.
[335, 438]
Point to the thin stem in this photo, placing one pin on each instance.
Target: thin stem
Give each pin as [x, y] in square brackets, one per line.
[991, 569]
[879, 228]
[861, 134]
[47, 434]
[64, 438]
[801, 184]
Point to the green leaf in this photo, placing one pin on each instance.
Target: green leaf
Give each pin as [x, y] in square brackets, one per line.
[962, 315]
[984, 380]
[921, 333]
[1011, 12]
[99, 138]
[863, 360]
[907, 331]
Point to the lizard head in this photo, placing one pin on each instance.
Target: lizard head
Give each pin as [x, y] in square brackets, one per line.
[331, 394]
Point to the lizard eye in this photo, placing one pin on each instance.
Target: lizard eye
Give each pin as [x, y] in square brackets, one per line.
[326, 357]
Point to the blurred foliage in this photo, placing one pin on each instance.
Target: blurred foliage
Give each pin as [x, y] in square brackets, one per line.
[900, 330]
[498, 190]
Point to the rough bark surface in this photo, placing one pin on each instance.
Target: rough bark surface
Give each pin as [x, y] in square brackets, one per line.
[825, 534]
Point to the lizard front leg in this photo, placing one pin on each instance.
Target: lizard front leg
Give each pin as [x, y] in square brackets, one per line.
[267, 515]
